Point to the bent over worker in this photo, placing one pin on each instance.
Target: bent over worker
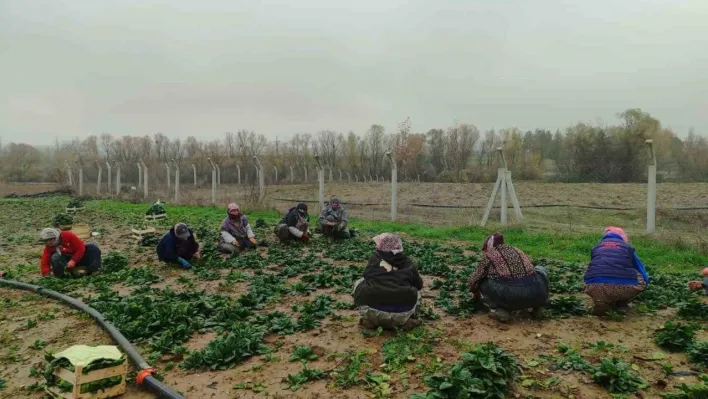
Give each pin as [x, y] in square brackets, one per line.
[507, 280]
[179, 245]
[65, 252]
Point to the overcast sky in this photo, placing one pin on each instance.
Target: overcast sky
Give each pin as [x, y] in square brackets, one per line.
[186, 67]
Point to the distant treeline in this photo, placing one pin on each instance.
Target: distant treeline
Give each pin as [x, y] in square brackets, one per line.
[459, 153]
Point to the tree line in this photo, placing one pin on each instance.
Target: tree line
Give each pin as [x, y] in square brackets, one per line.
[459, 153]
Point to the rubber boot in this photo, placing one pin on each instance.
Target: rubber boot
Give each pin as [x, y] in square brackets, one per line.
[500, 315]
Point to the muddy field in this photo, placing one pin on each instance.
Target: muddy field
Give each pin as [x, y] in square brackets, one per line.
[336, 341]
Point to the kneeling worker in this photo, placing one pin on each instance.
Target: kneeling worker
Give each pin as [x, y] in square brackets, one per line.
[295, 225]
[179, 245]
[65, 252]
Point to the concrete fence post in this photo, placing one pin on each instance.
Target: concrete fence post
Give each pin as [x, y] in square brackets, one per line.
[356, 178]
[117, 179]
[503, 184]
[304, 168]
[238, 170]
[98, 178]
[651, 188]
[176, 181]
[69, 173]
[81, 179]
[218, 174]
[108, 186]
[349, 178]
[276, 174]
[394, 185]
[292, 176]
[194, 170]
[140, 175]
[167, 169]
[261, 179]
[213, 182]
[145, 181]
[340, 174]
[321, 179]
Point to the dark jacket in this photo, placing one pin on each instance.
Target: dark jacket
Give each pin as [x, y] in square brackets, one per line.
[382, 288]
[613, 261]
[291, 218]
[170, 247]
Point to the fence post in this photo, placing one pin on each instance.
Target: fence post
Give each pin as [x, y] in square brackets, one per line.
[117, 179]
[356, 178]
[304, 167]
[340, 174]
[145, 180]
[176, 181]
[349, 178]
[321, 179]
[213, 182]
[108, 187]
[69, 173]
[167, 169]
[194, 170]
[261, 179]
[218, 175]
[502, 184]
[394, 185]
[238, 169]
[81, 177]
[651, 188]
[292, 176]
[140, 175]
[276, 174]
[98, 179]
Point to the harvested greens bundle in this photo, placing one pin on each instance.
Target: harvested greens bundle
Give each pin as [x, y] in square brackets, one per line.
[156, 209]
[63, 219]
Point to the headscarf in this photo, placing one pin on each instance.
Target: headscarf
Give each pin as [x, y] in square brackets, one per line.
[334, 200]
[705, 272]
[233, 209]
[387, 242]
[302, 208]
[50, 234]
[493, 241]
[618, 231]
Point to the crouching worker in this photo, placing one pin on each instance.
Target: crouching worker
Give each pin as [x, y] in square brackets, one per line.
[64, 253]
[236, 233]
[334, 220]
[507, 281]
[295, 225]
[698, 285]
[389, 293]
[179, 246]
[615, 274]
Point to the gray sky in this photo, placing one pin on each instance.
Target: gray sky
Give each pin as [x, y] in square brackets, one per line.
[185, 67]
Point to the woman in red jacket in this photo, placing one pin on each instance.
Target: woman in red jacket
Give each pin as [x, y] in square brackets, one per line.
[65, 252]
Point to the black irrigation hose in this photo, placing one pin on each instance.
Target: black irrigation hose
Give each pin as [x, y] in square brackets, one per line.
[607, 208]
[145, 376]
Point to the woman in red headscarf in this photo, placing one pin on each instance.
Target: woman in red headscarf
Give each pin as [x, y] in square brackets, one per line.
[507, 280]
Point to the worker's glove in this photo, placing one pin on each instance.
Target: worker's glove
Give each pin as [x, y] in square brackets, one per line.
[695, 285]
[305, 236]
[184, 263]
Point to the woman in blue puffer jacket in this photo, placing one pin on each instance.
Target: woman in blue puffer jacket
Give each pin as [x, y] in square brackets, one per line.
[615, 274]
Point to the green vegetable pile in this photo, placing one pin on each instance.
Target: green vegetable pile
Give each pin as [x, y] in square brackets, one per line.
[75, 203]
[156, 209]
[63, 219]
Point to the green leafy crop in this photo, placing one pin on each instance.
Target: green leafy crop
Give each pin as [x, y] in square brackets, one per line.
[63, 219]
[676, 337]
[485, 373]
[303, 354]
[242, 341]
[616, 376]
[698, 353]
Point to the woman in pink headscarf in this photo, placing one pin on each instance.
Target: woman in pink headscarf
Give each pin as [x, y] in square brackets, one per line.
[389, 293]
[615, 274]
[236, 233]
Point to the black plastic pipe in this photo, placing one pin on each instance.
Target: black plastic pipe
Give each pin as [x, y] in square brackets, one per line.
[145, 374]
